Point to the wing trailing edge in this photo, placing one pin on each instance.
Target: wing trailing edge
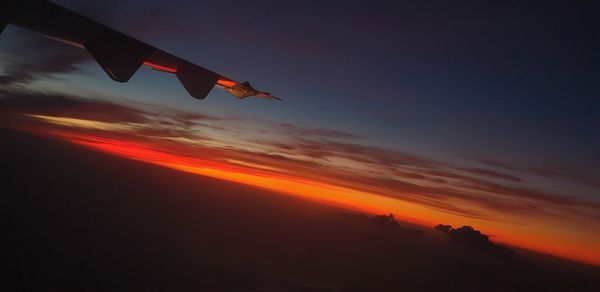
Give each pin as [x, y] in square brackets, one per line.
[197, 81]
[119, 55]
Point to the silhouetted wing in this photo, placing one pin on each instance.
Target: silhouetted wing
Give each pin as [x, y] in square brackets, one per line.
[118, 54]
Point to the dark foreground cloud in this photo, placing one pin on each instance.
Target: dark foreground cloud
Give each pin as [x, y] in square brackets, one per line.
[166, 229]
[69, 106]
[473, 239]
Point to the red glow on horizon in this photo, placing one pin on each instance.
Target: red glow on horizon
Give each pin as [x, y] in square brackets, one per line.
[326, 192]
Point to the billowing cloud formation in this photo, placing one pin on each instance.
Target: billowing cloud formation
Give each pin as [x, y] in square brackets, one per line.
[473, 239]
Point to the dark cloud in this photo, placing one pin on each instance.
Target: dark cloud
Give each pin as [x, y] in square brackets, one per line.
[443, 186]
[446, 198]
[531, 194]
[362, 153]
[439, 198]
[473, 239]
[396, 174]
[443, 199]
[545, 171]
[37, 57]
[408, 174]
[167, 123]
[491, 173]
[175, 123]
[293, 130]
[192, 231]
[519, 195]
[387, 222]
[63, 105]
[448, 174]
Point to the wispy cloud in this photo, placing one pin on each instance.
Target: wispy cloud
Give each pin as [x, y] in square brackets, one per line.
[546, 171]
[63, 105]
[317, 154]
[491, 173]
[25, 63]
[299, 131]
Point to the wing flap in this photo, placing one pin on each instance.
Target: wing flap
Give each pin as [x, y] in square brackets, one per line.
[119, 55]
[197, 81]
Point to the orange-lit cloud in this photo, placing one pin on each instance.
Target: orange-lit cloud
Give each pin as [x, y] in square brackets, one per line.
[322, 165]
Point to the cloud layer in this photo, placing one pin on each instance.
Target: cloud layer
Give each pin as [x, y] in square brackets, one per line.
[317, 154]
[28, 63]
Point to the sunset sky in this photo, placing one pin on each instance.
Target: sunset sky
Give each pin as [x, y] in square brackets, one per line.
[477, 115]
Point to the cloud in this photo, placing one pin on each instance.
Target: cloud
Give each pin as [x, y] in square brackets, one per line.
[450, 188]
[299, 131]
[491, 173]
[361, 153]
[475, 240]
[525, 193]
[315, 154]
[545, 171]
[26, 63]
[141, 121]
[63, 105]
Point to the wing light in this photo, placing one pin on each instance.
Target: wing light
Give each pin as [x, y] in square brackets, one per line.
[160, 67]
[226, 83]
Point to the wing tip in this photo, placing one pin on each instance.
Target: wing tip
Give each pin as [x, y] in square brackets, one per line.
[267, 95]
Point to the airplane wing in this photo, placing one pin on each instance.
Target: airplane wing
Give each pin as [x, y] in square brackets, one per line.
[118, 54]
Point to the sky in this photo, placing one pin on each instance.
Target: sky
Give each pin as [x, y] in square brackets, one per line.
[440, 112]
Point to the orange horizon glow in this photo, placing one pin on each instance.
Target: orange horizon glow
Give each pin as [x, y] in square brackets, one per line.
[544, 240]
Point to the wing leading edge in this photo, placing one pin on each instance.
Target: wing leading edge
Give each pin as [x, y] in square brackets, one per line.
[119, 55]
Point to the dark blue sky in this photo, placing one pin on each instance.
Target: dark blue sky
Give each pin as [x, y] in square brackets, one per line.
[508, 81]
